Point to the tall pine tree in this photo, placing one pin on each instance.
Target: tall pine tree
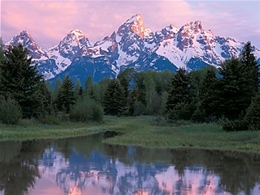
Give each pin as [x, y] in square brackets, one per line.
[178, 105]
[20, 80]
[179, 90]
[114, 100]
[66, 98]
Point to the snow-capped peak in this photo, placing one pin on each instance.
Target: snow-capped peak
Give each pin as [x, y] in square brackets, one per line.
[28, 42]
[136, 24]
[193, 26]
[78, 34]
[76, 38]
[135, 18]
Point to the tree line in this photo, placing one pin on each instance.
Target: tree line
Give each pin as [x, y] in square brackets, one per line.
[229, 93]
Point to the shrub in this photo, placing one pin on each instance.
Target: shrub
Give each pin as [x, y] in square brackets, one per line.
[199, 115]
[85, 110]
[97, 112]
[10, 111]
[139, 108]
[182, 111]
[235, 125]
[50, 119]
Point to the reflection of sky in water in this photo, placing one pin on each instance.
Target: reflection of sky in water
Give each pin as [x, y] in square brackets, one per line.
[86, 167]
[100, 175]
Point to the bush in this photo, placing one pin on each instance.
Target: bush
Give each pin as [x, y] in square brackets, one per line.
[182, 111]
[235, 125]
[10, 111]
[97, 112]
[50, 119]
[85, 110]
[199, 115]
[139, 108]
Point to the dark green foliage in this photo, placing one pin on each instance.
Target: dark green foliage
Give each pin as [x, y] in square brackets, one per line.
[20, 79]
[44, 96]
[179, 100]
[208, 93]
[77, 88]
[233, 89]
[238, 84]
[235, 125]
[1, 58]
[252, 116]
[124, 82]
[88, 83]
[66, 99]
[199, 116]
[251, 69]
[94, 92]
[181, 111]
[115, 102]
[138, 108]
[85, 110]
[51, 119]
[10, 111]
[179, 90]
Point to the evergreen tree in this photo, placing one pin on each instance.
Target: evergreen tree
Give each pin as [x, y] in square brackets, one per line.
[66, 97]
[179, 90]
[252, 117]
[124, 82]
[77, 89]
[94, 93]
[250, 69]
[114, 99]
[102, 86]
[178, 105]
[230, 88]
[21, 80]
[234, 89]
[88, 84]
[208, 94]
[44, 95]
[1, 59]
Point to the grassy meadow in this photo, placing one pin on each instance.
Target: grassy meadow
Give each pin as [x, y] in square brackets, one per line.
[141, 131]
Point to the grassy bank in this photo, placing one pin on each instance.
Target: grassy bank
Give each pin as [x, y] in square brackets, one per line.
[28, 129]
[142, 131]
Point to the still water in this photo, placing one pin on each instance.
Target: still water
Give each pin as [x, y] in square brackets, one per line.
[85, 166]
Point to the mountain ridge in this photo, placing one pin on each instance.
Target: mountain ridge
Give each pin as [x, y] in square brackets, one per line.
[131, 45]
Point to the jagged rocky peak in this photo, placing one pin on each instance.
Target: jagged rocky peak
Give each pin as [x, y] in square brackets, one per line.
[195, 26]
[23, 38]
[76, 38]
[28, 42]
[167, 33]
[136, 25]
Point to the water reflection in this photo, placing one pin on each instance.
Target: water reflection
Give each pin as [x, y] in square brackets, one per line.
[83, 166]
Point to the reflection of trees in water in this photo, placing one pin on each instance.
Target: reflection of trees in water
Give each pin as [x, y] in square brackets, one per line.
[238, 172]
[139, 166]
[125, 170]
[19, 166]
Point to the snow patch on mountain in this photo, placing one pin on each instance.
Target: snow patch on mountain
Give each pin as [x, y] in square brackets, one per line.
[133, 45]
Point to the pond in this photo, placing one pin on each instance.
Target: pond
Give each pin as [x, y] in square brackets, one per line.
[85, 166]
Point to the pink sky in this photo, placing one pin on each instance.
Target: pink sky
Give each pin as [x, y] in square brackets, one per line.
[49, 21]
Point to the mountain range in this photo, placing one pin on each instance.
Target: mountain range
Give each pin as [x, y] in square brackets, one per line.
[132, 45]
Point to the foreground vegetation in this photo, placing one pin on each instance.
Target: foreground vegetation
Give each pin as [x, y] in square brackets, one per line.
[143, 131]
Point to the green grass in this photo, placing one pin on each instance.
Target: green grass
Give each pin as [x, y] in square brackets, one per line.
[142, 131]
[29, 129]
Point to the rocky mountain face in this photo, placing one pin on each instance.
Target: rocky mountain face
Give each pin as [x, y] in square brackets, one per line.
[132, 45]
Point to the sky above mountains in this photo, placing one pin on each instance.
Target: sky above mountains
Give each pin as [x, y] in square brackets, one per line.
[49, 21]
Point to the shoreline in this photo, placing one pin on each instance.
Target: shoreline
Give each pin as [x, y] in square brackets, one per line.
[142, 131]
